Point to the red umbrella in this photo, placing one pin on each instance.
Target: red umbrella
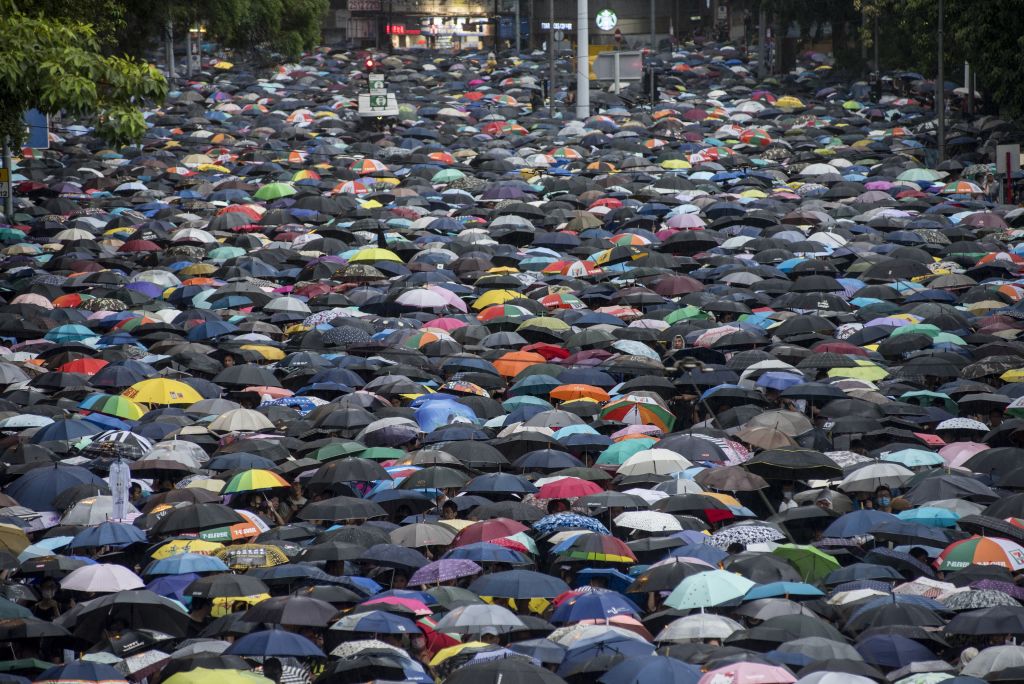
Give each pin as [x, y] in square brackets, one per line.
[568, 488]
[486, 530]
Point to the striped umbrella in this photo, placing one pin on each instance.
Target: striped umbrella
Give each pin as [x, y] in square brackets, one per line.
[982, 551]
[254, 480]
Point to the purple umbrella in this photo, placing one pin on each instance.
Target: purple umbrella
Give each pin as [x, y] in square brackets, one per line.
[444, 570]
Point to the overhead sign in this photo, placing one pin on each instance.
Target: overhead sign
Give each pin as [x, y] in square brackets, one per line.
[621, 66]
[606, 20]
[38, 125]
[1007, 158]
[559, 25]
[5, 183]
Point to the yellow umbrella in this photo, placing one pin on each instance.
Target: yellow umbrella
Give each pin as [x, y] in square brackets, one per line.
[1015, 375]
[162, 391]
[202, 675]
[446, 653]
[789, 102]
[492, 297]
[865, 370]
[176, 547]
[374, 254]
[223, 605]
[456, 524]
[208, 483]
[266, 351]
[13, 538]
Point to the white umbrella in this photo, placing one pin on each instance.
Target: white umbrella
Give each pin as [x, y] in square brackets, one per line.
[654, 462]
[994, 659]
[475, 618]
[95, 510]
[648, 521]
[102, 578]
[875, 475]
[241, 420]
[698, 627]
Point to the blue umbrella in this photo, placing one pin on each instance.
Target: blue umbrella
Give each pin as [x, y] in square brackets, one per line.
[660, 669]
[435, 413]
[65, 431]
[518, 584]
[173, 586]
[862, 571]
[892, 651]
[777, 380]
[556, 522]
[777, 589]
[704, 552]
[594, 605]
[275, 643]
[376, 622]
[113, 534]
[483, 552]
[615, 580]
[37, 488]
[930, 515]
[81, 671]
[185, 563]
[857, 523]
[609, 643]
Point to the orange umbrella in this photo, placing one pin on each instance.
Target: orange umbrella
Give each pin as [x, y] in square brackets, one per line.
[577, 391]
[513, 363]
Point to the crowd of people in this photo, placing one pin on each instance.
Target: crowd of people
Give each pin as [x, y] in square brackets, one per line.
[727, 390]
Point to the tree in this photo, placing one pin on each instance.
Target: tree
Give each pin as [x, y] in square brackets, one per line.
[58, 66]
[287, 27]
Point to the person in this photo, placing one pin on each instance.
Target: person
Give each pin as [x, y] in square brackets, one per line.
[273, 670]
[489, 635]
[449, 511]
[787, 498]
[919, 554]
[883, 499]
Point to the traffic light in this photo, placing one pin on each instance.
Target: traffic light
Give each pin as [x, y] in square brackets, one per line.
[369, 63]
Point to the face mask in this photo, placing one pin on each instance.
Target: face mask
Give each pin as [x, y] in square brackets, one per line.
[787, 495]
[884, 501]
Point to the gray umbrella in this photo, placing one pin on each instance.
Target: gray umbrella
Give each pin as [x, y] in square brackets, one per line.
[474, 619]
[978, 598]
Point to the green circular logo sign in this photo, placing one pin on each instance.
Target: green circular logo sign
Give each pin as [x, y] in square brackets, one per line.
[606, 20]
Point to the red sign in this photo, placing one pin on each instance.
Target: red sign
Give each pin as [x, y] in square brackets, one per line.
[400, 30]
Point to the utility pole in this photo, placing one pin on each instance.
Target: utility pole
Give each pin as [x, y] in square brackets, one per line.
[969, 84]
[940, 88]
[188, 52]
[551, 58]
[9, 200]
[878, 65]
[762, 41]
[654, 51]
[519, 38]
[582, 59]
[169, 45]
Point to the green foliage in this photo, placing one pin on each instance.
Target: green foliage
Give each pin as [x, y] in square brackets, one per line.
[287, 27]
[57, 66]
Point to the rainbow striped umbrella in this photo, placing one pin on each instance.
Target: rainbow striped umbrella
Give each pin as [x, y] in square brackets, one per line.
[639, 410]
[254, 480]
[982, 551]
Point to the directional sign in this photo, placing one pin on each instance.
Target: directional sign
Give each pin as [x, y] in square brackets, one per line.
[379, 102]
[5, 183]
[559, 35]
[377, 85]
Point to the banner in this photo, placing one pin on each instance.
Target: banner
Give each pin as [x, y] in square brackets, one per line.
[120, 482]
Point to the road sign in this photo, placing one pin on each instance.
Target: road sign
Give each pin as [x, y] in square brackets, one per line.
[377, 84]
[1007, 158]
[559, 35]
[5, 183]
[38, 125]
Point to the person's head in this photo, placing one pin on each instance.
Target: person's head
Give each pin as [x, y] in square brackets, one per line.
[272, 669]
[489, 635]
[135, 492]
[449, 511]
[883, 497]
[735, 547]
[558, 506]
[918, 553]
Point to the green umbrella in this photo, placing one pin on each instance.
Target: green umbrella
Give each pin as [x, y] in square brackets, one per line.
[812, 563]
[273, 191]
[617, 453]
[707, 589]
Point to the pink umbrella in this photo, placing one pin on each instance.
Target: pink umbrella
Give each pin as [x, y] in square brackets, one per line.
[958, 453]
[748, 673]
[447, 324]
[450, 297]
[418, 607]
[690, 221]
